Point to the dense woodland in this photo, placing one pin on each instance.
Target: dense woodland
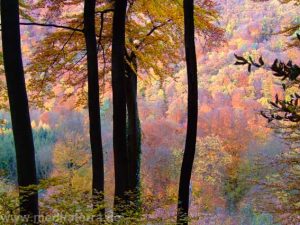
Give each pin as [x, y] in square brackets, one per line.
[150, 112]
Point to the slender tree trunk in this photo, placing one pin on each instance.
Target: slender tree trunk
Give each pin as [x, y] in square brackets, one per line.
[19, 108]
[133, 136]
[119, 107]
[94, 106]
[190, 144]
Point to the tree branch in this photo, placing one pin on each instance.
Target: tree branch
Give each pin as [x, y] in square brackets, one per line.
[104, 11]
[51, 25]
[154, 28]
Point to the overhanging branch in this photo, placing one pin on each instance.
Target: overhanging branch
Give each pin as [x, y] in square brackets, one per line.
[51, 25]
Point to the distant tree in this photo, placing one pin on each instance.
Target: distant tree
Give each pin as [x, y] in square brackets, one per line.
[190, 143]
[44, 140]
[94, 104]
[278, 189]
[71, 160]
[235, 185]
[8, 157]
[290, 29]
[19, 108]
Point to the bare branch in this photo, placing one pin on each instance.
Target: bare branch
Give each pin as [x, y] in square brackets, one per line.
[51, 25]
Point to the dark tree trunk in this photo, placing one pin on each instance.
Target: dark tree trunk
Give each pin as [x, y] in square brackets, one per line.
[133, 136]
[19, 108]
[190, 144]
[119, 106]
[94, 105]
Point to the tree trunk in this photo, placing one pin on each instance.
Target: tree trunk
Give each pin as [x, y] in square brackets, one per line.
[19, 108]
[94, 106]
[119, 107]
[190, 144]
[133, 136]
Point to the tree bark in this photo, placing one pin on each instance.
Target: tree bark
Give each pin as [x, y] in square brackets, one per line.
[134, 135]
[119, 107]
[190, 144]
[94, 106]
[19, 108]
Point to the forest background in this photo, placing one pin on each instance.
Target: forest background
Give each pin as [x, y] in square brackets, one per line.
[237, 174]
